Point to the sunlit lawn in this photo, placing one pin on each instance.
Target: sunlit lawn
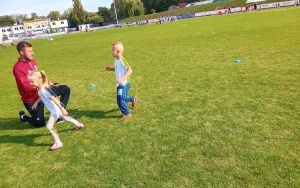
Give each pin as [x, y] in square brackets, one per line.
[202, 119]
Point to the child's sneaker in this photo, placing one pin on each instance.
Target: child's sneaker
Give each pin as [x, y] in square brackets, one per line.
[80, 126]
[126, 116]
[56, 146]
[134, 102]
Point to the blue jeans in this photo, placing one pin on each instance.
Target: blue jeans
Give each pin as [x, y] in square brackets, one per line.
[123, 98]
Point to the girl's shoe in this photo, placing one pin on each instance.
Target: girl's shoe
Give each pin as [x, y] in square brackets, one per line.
[56, 146]
[80, 126]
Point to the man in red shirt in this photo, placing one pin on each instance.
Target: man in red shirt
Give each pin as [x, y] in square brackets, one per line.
[29, 95]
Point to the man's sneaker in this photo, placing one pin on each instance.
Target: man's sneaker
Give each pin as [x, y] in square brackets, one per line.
[60, 120]
[134, 102]
[22, 114]
[56, 146]
[126, 116]
[80, 126]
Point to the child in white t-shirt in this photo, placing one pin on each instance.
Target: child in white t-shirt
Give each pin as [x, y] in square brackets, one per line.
[122, 72]
[39, 80]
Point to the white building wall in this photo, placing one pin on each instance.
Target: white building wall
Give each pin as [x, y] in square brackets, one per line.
[84, 27]
[18, 29]
[6, 30]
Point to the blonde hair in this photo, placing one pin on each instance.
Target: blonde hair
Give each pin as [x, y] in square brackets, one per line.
[39, 74]
[119, 46]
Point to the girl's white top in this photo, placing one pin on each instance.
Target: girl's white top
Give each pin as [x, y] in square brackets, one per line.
[45, 95]
[120, 70]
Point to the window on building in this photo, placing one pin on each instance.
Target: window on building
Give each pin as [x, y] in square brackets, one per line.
[8, 29]
[29, 27]
[62, 22]
[3, 30]
[21, 28]
[53, 23]
[16, 29]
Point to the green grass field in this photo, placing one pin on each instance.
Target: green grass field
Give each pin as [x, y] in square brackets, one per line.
[202, 120]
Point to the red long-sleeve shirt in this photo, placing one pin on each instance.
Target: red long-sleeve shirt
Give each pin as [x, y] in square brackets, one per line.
[21, 70]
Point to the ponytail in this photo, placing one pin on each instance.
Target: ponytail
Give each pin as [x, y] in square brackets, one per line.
[44, 77]
[40, 74]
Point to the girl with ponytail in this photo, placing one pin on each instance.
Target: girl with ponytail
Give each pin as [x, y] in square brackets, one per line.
[39, 80]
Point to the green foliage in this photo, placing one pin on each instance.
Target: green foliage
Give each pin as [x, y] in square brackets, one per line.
[162, 5]
[67, 13]
[78, 15]
[202, 120]
[194, 9]
[54, 15]
[93, 18]
[129, 8]
[34, 16]
[152, 11]
[6, 21]
[105, 13]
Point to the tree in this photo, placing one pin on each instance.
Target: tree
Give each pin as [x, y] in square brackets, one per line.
[93, 18]
[54, 15]
[114, 5]
[149, 6]
[128, 8]
[162, 5]
[139, 8]
[34, 16]
[105, 13]
[19, 18]
[78, 15]
[6, 21]
[98, 19]
[67, 13]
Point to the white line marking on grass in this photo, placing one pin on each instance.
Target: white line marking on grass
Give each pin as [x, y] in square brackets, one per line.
[73, 42]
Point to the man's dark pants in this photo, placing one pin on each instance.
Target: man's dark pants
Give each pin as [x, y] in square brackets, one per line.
[37, 118]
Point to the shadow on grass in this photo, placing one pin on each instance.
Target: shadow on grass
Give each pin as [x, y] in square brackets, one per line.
[16, 124]
[94, 113]
[13, 124]
[27, 140]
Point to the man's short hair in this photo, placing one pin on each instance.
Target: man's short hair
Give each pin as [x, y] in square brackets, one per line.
[22, 45]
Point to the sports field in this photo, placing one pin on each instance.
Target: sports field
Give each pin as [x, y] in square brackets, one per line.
[202, 119]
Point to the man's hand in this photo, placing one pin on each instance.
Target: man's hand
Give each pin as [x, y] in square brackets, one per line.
[52, 83]
[34, 106]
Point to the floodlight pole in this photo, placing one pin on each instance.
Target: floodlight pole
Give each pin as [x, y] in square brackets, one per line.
[116, 12]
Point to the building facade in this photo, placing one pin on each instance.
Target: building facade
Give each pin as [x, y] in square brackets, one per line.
[33, 28]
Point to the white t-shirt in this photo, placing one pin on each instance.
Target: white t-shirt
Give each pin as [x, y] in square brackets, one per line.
[120, 70]
[45, 95]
